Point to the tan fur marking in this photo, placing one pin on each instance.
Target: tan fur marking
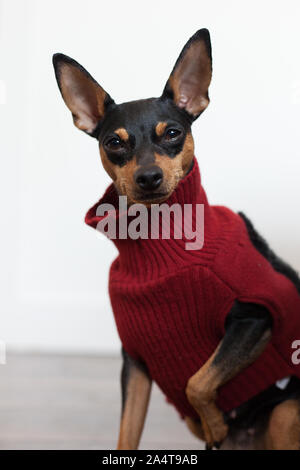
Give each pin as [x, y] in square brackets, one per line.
[174, 169]
[132, 421]
[283, 431]
[123, 177]
[107, 165]
[122, 133]
[160, 128]
[201, 393]
[195, 427]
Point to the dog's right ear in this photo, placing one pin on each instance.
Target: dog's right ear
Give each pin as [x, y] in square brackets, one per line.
[84, 97]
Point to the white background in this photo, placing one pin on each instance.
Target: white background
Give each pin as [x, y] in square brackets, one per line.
[53, 271]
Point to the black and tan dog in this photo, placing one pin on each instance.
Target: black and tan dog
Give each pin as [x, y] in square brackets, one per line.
[146, 147]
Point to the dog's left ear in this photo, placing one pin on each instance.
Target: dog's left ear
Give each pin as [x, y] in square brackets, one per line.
[84, 97]
[189, 81]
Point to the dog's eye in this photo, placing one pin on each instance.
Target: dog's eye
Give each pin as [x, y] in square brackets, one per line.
[172, 134]
[113, 143]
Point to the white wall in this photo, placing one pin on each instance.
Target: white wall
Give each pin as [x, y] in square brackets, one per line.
[53, 272]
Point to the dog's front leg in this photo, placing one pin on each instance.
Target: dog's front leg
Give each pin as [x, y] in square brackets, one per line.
[247, 332]
[136, 388]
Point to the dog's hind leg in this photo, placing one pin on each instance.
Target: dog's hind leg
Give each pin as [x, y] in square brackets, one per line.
[136, 388]
[283, 430]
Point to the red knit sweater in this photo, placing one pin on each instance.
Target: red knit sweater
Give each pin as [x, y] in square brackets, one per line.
[170, 304]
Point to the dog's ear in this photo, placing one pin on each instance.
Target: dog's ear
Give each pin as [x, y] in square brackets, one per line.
[84, 97]
[190, 78]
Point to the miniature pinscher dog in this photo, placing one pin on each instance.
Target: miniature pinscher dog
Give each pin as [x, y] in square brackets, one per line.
[139, 142]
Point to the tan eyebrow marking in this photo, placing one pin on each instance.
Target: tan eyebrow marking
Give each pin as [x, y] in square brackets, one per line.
[160, 128]
[122, 133]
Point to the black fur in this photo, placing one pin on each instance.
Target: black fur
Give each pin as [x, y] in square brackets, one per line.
[129, 364]
[255, 412]
[246, 323]
[244, 310]
[262, 246]
[140, 118]
[247, 330]
[58, 60]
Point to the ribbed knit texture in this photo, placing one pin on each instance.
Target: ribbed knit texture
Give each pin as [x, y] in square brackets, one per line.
[170, 303]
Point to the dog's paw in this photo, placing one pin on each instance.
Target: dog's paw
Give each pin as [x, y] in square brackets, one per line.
[219, 434]
[215, 429]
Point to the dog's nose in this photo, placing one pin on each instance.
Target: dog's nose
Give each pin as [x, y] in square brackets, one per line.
[150, 178]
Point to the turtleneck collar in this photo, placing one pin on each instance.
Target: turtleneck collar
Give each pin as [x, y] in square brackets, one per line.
[189, 191]
[149, 257]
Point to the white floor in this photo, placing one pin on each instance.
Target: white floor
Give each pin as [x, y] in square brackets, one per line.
[70, 402]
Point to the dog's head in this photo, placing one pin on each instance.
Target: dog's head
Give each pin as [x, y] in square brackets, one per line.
[146, 146]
